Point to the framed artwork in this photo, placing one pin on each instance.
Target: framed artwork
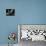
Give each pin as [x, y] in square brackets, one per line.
[10, 12]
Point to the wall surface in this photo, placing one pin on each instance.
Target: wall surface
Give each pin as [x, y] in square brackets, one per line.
[27, 12]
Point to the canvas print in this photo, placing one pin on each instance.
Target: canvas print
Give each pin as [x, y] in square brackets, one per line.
[10, 12]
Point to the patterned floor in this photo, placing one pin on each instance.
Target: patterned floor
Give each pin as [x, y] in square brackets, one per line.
[34, 43]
